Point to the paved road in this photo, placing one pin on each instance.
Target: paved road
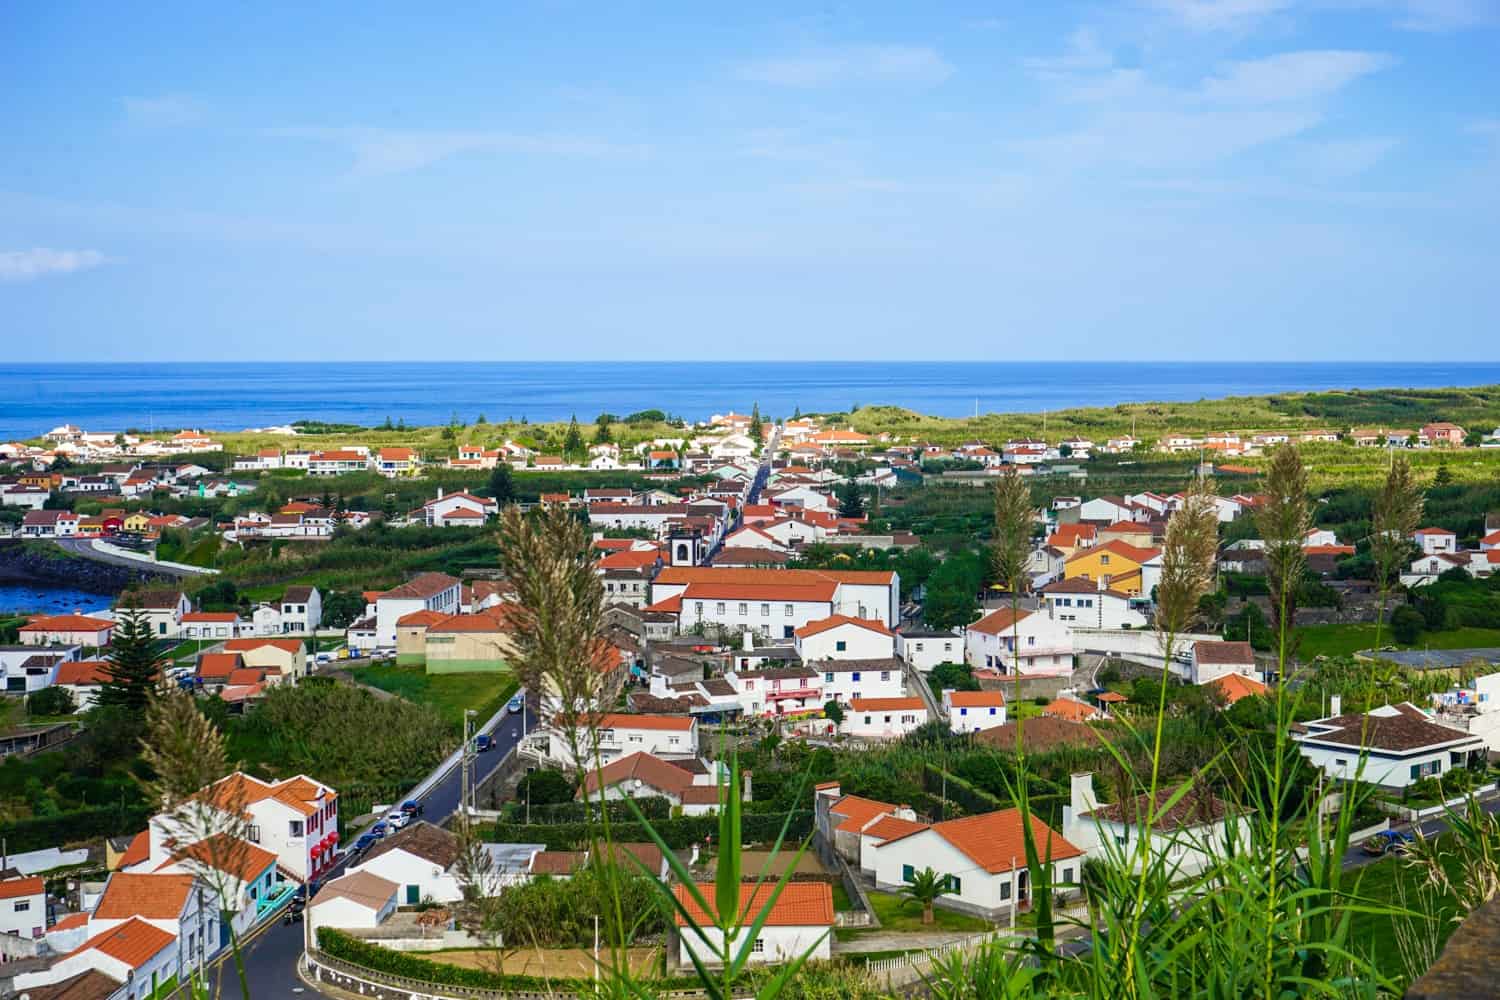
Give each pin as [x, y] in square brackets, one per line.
[271, 959]
[85, 547]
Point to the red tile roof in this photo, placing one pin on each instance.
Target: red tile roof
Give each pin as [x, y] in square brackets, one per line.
[800, 904]
[240, 858]
[834, 621]
[995, 840]
[420, 618]
[245, 645]
[857, 812]
[134, 942]
[13, 888]
[1238, 653]
[152, 897]
[999, 621]
[1071, 710]
[658, 722]
[887, 704]
[82, 672]
[67, 623]
[976, 699]
[891, 827]
[1236, 686]
[218, 664]
[221, 617]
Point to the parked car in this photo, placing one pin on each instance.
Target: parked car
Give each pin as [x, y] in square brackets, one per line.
[483, 742]
[364, 843]
[325, 657]
[396, 819]
[1386, 842]
[411, 807]
[515, 705]
[379, 830]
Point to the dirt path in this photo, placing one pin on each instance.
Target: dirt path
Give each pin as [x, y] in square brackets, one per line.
[566, 963]
[879, 940]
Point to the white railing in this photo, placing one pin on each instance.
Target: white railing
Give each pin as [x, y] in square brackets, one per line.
[915, 961]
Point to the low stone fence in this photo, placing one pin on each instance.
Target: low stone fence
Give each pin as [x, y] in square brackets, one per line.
[1427, 812]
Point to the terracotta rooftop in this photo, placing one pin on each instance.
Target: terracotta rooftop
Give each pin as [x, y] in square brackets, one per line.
[800, 904]
[152, 897]
[995, 841]
[134, 942]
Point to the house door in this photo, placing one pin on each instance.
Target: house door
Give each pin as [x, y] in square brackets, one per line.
[1023, 885]
[413, 895]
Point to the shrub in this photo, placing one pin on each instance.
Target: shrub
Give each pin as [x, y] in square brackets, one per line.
[51, 701]
[1407, 624]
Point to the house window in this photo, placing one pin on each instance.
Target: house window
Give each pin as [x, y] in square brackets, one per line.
[765, 611]
[908, 873]
[700, 608]
[23, 905]
[841, 645]
[1416, 772]
[673, 740]
[856, 677]
[786, 610]
[955, 884]
[1031, 640]
[1103, 560]
[947, 647]
[885, 675]
[1067, 874]
[295, 828]
[252, 833]
[744, 609]
[828, 678]
[867, 719]
[992, 711]
[1004, 890]
[963, 711]
[635, 739]
[720, 608]
[759, 947]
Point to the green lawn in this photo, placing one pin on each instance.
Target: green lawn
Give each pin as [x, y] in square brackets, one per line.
[1375, 934]
[1341, 640]
[450, 694]
[903, 916]
[841, 899]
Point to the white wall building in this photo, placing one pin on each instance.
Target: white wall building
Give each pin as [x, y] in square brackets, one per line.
[840, 637]
[883, 718]
[1028, 642]
[971, 711]
[926, 648]
[801, 920]
[1403, 745]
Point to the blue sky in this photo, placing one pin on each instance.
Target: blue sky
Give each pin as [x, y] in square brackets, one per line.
[1163, 179]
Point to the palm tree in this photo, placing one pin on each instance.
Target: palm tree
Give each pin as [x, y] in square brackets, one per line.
[925, 887]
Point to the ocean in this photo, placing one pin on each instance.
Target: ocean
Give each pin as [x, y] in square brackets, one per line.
[236, 396]
[48, 599]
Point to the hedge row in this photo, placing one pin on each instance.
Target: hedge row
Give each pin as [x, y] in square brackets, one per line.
[336, 944]
[42, 832]
[679, 832]
[653, 807]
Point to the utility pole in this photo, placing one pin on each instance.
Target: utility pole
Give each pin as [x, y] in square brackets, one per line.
[467, 760]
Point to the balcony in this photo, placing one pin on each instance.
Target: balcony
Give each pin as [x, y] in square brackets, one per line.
[802, 692]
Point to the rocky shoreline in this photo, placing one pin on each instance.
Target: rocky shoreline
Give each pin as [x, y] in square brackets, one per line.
[23, 563]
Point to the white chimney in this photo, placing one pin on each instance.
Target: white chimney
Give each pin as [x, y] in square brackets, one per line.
[1081, 795]
[440, 493]
[1336, 705]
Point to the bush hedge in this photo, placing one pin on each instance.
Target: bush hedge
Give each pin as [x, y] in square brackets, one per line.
[336, 944]
[70, 827]
[679, 832]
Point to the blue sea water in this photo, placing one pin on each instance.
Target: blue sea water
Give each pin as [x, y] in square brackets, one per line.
[235, 396]
[47, 599]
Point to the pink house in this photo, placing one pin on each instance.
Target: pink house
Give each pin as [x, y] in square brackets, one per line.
[1442, 433]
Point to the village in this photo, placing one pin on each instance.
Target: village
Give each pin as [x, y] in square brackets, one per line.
[753, 605]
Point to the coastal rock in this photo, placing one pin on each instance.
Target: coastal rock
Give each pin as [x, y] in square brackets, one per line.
[31, 562]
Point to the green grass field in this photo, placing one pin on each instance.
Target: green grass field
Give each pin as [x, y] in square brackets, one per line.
[449, 694]
[1343, 640]
[902, 916]
[1375, 934]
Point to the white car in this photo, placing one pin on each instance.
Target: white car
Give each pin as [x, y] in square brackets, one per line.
[396, 820]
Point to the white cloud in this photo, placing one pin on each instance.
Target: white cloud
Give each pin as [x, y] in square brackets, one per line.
[28, 265]
[850, 64]
[1345, 157]
[379, 151]
[1157, 139]
[166, 111]
[1292, 76]
[1219, 15]
[1446, 15]
[1084, 53]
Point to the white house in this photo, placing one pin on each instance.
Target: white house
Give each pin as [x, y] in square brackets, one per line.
[1186, 838]
[421, 860]
[357, 901]
[839, 637]
[163, 609]
[1212, 660]
[778, 691]
[1106, 510]
[786, 595]
[423, 592]
[800, 922]
[1030, 643]
[1083, 603]
[983, 857]
[245, 873]
[23, 907]
[883, 718]
[301, 610]
[619, 735]
[1402, 743]
[295, 819]
[448, 510]
[925, 648]
[690, 784]
[66, 630]
[846, 680]
[135, 952]
[1435, 541]
[971, 711]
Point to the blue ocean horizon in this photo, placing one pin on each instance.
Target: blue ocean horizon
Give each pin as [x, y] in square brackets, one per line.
[230, 396]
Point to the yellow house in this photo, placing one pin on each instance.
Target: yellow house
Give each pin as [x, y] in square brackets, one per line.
[137, 523]
[1116, 563]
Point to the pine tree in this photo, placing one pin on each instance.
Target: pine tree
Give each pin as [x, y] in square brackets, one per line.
[133, 667]
[851, 501]
[502, 487]
[601, 430]
[755, 425]
[573, 440]
[797, 413]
